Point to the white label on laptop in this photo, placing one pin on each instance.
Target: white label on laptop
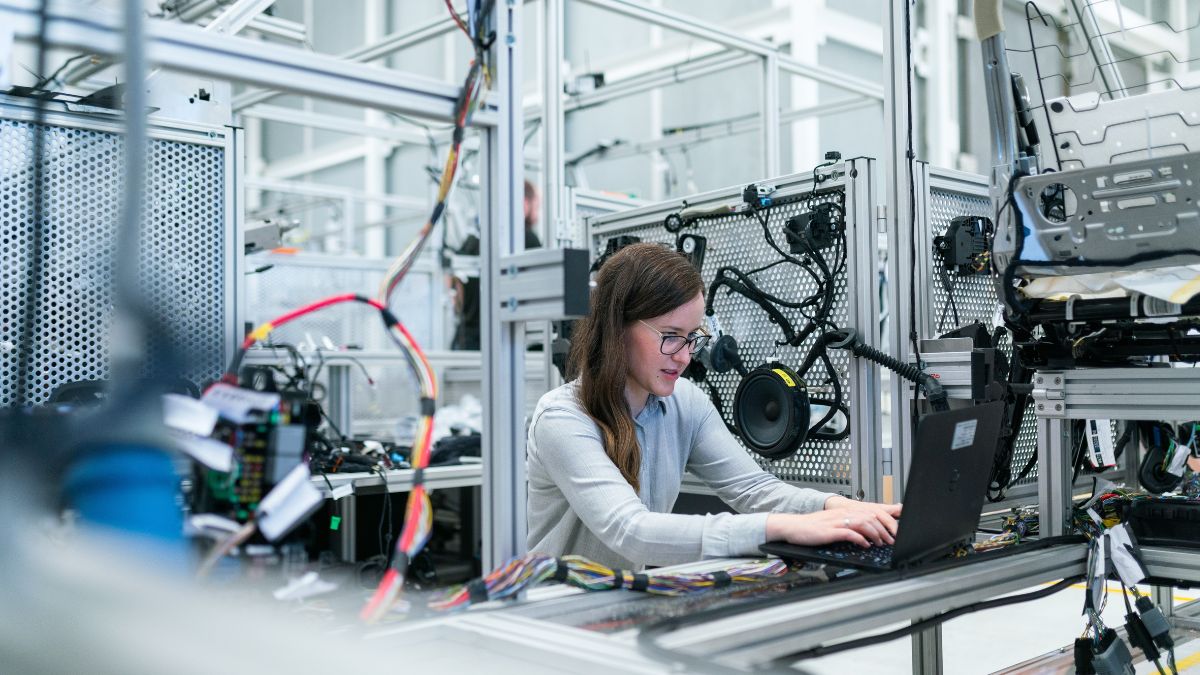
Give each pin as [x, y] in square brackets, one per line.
[1100, 443]
[964, 434]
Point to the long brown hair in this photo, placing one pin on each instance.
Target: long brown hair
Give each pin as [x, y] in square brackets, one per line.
[641, 281]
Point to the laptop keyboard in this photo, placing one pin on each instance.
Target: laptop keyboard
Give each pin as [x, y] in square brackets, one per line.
[879, 556]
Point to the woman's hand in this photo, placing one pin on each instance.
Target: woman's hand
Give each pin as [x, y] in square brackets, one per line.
[885, 513]
[863, 527]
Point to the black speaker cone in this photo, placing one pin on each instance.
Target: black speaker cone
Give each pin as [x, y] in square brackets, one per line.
[771, 411]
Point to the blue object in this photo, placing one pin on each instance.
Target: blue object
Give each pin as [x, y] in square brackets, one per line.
[128, 488]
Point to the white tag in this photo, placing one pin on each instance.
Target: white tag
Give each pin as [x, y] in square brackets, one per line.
[998, 317]
[1100, 443]
[306, 586]
[185, 413]
[964, 434]
[236, 404]
[213, 525]
[1120, 548]
[714, 326]
[342, 491]
[210, 452]
[1095, 518]
[1178, 460]
[6, 57]
[288, 503]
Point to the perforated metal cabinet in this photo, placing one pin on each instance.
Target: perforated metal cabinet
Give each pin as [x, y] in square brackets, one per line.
[189, 238]
[850, 466]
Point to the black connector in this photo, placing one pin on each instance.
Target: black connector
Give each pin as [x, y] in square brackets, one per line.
[1139, 637]
[1083, 657]
[1156, 624]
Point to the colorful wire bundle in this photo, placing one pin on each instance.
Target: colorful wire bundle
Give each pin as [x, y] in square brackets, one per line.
[418, 518]
[520, 574]
[477, 81]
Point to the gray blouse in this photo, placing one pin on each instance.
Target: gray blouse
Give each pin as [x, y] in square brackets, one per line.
[579, 503]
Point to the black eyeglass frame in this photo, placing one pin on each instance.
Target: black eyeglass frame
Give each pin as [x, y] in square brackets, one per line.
[694, 342]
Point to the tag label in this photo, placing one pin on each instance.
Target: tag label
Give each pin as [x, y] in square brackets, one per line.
[964, 434]
[1178, 460]
[208, 451]
[785, 377]
[239, 405]
[1100, 443]
[288, 503]
[188, 414]
[342, 491]
[1124, 555]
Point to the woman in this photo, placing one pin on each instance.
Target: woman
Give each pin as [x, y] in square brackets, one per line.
[607, 450]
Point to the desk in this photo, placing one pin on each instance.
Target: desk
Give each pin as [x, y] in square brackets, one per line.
[393, 480]
[525, 632]
[401, 480]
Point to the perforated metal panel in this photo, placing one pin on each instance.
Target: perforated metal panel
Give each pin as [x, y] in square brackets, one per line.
[974, 296]
[738, 240]
[185, 252]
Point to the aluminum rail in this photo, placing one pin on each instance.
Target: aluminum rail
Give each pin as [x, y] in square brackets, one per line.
[191, 50]
[759, 636]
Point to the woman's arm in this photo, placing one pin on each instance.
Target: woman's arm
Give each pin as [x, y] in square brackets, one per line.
[721, 462]
[569, 448]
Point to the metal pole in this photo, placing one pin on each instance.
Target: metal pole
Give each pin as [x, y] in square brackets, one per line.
[503, 343]
[1054, 478]
[900, 187]
[770, 114]
[927, 652]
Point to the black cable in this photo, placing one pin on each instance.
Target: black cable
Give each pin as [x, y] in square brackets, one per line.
[918, 626]
[33, 274]
[909, 157]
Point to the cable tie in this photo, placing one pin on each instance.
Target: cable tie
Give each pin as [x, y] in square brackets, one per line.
[721, 579]
[618, 579]
[477, 591]
[560, 573]
[641, 582]
[418, 477]
[428, 406]
[389, 319]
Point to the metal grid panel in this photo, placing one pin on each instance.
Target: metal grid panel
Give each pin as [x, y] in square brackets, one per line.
[183, 253]
[738, 240]
[974, 296]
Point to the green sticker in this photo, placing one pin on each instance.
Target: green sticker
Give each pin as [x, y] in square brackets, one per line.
[334, 522]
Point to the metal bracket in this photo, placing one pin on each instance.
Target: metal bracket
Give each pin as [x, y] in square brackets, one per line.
[543, 285]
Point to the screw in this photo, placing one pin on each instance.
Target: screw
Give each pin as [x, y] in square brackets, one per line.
[512, 304]
[1058, 406]
[510, 39]
[1058, 380]
[1039, 380]
[1041, 406]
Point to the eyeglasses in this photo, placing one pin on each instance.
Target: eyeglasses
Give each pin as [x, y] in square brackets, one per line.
[672, 344]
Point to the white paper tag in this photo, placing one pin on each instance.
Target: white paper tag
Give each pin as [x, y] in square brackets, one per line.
[1124, 559]
[1100, 443]
[1095, 518]
[236, 404]
[998, 317]
[210, 452]
[342, 491]
[185, 413]
[288, 503]
[964, 434]
[303, 587]
[1178, 460]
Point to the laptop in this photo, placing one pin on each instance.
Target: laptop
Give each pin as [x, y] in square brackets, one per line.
[947, 481]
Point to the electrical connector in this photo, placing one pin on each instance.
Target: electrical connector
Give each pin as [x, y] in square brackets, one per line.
[1083, 657]
[1140, 638]
[758, 196]
[1156, 624]
[1111, 656]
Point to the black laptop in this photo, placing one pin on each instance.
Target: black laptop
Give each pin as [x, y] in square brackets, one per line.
[947, 480]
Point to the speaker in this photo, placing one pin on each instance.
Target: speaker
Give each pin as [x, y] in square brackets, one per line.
[771, 411]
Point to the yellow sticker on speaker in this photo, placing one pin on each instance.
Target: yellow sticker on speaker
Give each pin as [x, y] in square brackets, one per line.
[786, 378]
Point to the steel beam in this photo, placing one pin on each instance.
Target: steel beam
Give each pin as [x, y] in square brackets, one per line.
[190, 50]
[395, 42]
